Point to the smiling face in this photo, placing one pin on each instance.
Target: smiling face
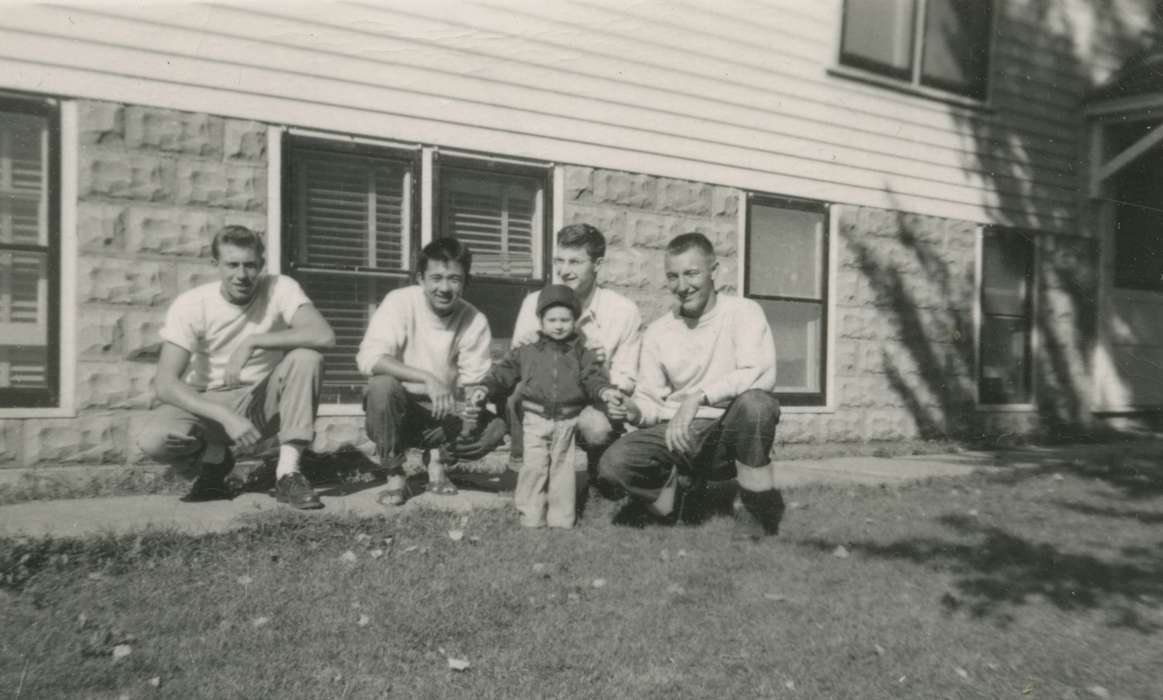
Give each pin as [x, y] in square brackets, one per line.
[443, 284]
[576, 269]
[690, 276]
[557, 322]
[239, 269]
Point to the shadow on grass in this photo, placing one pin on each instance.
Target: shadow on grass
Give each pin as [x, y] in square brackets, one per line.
[1134, 475]
[1143, 516]
[997, 571]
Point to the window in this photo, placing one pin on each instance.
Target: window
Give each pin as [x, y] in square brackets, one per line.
[787, 273]
[29, 288]
[1137, 191]
[499, 210]
[1007, 282]
[942, 44]
[352, 227]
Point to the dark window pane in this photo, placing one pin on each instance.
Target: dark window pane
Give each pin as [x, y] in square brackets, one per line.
[1007, 269]
[499, 302]
[24, 319]
[1005, 352]
[878, 36]
[1139, 225]
[786, 252]
[497, 215]
[955, 51]
[347, 302]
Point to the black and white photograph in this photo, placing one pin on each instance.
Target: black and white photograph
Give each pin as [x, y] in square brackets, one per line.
[524, 349]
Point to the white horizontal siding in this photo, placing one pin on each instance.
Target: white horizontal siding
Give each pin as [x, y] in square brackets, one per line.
[740, 96]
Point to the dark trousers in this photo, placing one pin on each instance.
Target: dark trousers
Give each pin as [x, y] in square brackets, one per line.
[397, 420]
[640, 462]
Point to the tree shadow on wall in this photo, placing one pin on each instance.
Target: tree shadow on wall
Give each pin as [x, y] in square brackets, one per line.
[1022, 151]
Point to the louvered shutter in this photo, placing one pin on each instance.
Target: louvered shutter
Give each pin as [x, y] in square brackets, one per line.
[496, 215]
[25, 264]
[352, 229]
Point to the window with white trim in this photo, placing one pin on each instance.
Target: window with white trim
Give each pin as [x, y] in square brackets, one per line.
[1006, 336]
[352, 227]
[29, 254]
[350, 218]
[499, 209]
[787, 273]
[940, 44]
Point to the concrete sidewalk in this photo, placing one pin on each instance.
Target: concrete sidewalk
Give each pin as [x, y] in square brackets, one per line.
[128, 514]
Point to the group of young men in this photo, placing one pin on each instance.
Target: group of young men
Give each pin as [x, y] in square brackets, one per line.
[691, 397]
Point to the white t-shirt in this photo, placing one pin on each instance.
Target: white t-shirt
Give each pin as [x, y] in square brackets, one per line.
[202, 322]
[453, 347]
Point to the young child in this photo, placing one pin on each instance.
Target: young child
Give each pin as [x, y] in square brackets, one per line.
[561, 377]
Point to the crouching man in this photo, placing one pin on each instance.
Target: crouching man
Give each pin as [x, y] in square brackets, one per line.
[423, 346]
[240, 362]
[704, 398]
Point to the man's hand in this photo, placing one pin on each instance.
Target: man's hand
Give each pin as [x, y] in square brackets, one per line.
[440, 393]
[238, 358]
[622, 408]
[241, 431]
[679, 437]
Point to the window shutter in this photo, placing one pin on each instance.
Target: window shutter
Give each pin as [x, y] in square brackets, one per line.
[353, 228]
[495, 214]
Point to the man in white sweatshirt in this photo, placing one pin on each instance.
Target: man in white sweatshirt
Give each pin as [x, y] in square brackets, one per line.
[422, 345]
[704, 398]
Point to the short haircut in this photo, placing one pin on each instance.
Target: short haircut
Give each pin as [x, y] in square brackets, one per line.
[684, 242]
[445, 250]
[583, 236]
[239, 237]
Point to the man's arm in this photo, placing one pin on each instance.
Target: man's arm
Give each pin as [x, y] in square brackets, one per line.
[173, 390]
[525, 329]
[624, 363]
[308, 330]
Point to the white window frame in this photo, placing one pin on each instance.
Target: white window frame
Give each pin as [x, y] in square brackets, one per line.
[426, 181]
[979, 318]
[67, 269]
[835, 213]
[913, 85]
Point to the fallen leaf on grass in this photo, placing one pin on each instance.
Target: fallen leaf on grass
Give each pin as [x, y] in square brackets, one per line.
[790, 685]
[259, 622]
[348, 557]
[599, 582]
[878, 649]
[456, 535]
[121, 651]
[840, 552]
[411, 548]
[96, 576]
[962, 672]
[82, 621]
[541, 569]
[665, 554]
[973, 512]
[155, 682]
[775, 597]
[363, 537]
[245, 580]
[681, 553]
[376, 553]
[573, 597]
[675, 589]
[474, 539]
[458, 664]
[1098, 691]
[363, 621]
[1058, 477]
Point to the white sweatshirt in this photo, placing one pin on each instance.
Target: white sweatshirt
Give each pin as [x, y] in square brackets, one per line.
[730, 350]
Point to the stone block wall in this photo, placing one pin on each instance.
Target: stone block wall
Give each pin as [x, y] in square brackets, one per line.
[153, 187]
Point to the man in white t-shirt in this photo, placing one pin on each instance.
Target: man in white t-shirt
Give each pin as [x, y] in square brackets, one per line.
[704, 401]
[612, 327]
[240, 362]
[423, 346]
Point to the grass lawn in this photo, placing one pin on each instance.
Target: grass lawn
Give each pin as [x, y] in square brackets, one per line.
[1037, 584]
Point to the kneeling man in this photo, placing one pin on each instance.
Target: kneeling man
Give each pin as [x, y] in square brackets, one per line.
[704, 398]
[240, 362]
[423, 344]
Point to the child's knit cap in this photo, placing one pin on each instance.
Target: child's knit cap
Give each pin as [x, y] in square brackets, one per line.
[557, 295]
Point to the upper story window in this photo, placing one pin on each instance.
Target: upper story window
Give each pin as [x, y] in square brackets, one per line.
[787, 273]
[940, 44]
[29, 252]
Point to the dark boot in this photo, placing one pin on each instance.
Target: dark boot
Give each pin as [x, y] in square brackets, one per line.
[211, 482]
[760, 515]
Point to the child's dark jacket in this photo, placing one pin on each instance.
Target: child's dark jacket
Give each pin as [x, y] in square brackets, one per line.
[560, 375]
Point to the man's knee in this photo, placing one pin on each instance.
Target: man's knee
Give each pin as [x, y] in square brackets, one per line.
[381, 388]
[164, 441]
[594, 428]
[758, 406]
[304, 359]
